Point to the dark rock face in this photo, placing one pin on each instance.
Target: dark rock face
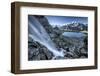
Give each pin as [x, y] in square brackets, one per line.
[74, 47]
[45, 23]
[36, 51]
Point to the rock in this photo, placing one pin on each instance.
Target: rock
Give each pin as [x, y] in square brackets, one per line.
[42, 57]
[70, 54]
[45, 23]
[36, 51]
[83, 51]
[82, 57]
[48, 54]
[57, 58]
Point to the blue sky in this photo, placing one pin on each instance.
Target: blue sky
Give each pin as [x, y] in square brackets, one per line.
[59, 20]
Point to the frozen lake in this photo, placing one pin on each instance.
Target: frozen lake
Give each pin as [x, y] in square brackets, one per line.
[73, 34]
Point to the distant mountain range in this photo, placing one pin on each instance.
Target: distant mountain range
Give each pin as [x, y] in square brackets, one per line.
[74, 27]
